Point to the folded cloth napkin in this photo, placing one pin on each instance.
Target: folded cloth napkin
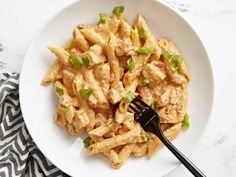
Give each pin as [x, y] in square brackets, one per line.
[19, 156]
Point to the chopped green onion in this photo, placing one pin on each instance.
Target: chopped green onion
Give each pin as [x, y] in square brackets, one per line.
[87, 142]
[144, 82]
[118, 9]
[145, 138]
[179, 59]
[131, 64]
[144, 50]
[153, 105]
[186, 120]
[173, 66]
[103, 17]
[168, 54]
[129, 96]
[85, 93]
[59, 90]
[141, 33]
[63, 105]
[75, 59]
[86, 61]
[174, 61]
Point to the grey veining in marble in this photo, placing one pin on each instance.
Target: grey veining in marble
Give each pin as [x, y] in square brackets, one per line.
[1, 47]
[182, 7]
[3, 65]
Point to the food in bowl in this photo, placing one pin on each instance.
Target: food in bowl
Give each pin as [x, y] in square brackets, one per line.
[98, 73]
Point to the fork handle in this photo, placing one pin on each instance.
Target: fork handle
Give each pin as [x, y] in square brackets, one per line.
[184, 160]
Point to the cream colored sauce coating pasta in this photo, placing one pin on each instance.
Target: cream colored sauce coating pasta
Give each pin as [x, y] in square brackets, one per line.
[107, 79]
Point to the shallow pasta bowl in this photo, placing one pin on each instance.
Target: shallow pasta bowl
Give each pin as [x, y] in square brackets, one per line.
[38, 102]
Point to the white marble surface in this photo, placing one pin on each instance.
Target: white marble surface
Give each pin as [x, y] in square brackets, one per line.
[214, 20]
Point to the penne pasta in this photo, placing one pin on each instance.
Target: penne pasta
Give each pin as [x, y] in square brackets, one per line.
[135, 37]
[100, 131]
[61, 54]
[101, 69]
[80, 41]
[97, 91]
[112, 58]
[52, 73]
[123, 156]
[113, 156]
[118, 140]
[92, 36]
[141, 24]
[140, 149]
[167, 45]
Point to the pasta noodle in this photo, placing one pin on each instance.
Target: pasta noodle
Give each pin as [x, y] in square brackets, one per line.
[97, 72]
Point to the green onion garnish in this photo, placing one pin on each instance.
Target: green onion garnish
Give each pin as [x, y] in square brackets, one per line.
[179, 59]
[153, 105]
[145, 139]
[186, 120]
[144, 82]
[75, 59]
[168, 54]
[103, 17]
[129, 96]
[144, 50]
[59, 90]
[87, 142]
[118, 9]
[85, 93]
[64, 106]
[141, 33]
[86, 61]
[174, 61]
[131, 64]
[173, 66]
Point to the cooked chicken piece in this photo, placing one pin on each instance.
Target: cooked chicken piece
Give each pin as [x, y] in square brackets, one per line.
[153, 73]
[116, 93]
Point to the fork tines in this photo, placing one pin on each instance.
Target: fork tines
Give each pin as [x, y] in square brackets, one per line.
[136, 105]
[141, 111]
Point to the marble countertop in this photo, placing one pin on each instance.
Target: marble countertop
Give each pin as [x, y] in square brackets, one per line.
[215, 22]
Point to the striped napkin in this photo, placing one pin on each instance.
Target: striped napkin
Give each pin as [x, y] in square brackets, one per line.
[19, 156]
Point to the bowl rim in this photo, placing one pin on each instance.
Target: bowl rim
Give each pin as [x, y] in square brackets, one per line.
[167, 5]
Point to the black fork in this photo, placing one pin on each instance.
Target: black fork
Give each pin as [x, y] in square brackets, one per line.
[150, 122]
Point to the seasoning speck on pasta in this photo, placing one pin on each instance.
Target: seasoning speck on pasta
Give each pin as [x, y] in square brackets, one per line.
[100, 71]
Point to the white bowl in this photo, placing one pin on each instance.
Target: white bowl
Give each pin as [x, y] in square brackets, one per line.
[38, 102]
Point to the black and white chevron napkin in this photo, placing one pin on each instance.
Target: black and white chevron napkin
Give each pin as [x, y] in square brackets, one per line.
[19, 156]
